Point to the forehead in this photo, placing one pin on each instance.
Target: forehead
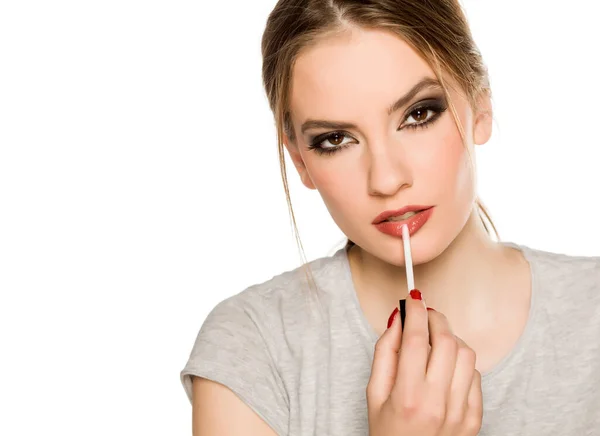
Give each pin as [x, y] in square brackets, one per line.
[345, 75]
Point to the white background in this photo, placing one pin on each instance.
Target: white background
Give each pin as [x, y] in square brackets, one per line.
[139, 186]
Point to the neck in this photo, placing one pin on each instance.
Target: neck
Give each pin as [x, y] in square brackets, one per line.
[462, 282]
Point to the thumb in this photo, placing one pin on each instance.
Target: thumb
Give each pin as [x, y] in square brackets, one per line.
[385, 363]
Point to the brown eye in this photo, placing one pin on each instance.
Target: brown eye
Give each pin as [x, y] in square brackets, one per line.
[336, 139]
[330, 143]
[420, 115]
[424, 115]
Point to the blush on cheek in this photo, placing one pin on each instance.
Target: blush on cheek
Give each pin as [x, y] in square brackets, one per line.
[446, 170]
[323, 180]
[338, 189]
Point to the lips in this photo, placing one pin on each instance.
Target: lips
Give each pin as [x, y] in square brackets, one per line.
[396, 213]
[414, 223]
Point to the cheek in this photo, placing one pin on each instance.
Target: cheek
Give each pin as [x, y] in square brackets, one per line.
[446, 166]
[337, 180]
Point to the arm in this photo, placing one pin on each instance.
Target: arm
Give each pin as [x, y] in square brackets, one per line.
[218, 411]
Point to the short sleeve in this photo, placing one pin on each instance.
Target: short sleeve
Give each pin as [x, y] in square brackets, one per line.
[231, 350]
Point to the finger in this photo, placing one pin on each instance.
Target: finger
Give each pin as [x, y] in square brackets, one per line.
[475, 398]
[472, 422]
[462, 382]
[415, 341]
[385, 363]
[442, 359]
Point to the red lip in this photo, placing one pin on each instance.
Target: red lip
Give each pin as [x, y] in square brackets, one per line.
[414, 224]
[390, 213]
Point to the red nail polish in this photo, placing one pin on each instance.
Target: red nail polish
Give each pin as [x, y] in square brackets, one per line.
[391, 318]
[431, 308]
[415, 294]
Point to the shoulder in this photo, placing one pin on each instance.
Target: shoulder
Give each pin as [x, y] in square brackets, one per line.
[275, 314]
[245, 339]
[565, 279]
[289, 292]
[563, 267]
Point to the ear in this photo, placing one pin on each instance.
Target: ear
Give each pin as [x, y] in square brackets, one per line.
[298, 162]
[482, 124]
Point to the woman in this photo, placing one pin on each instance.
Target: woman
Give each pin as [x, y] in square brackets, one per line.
[379, 104]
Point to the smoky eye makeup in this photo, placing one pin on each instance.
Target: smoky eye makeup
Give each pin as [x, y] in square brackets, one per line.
[437, 105]
[424, 113]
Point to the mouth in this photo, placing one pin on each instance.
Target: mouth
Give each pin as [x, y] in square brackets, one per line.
[392, 222]
[400, 215]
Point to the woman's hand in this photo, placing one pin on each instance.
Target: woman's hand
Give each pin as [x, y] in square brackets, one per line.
[423, 380]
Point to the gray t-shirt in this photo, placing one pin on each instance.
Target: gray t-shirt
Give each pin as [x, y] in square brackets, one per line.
[301, 360]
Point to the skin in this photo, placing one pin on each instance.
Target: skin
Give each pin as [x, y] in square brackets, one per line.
[218, 411]
[353, 78]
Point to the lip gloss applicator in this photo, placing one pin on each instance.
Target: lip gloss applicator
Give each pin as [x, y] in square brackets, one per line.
[410, 278]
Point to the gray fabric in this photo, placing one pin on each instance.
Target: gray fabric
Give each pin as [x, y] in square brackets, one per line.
[305, 373]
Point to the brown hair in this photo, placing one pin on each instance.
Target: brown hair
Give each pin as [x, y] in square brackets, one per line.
[436, 29]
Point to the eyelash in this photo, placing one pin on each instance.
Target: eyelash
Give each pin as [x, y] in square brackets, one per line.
[437, 108]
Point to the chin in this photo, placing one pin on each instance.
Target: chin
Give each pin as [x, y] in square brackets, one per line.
[426, 245]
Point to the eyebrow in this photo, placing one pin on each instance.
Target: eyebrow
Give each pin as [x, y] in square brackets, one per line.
[425, 83]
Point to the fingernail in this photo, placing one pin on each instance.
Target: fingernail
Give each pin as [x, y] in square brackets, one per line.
[431, 308]
[391, 318]
[415, 294]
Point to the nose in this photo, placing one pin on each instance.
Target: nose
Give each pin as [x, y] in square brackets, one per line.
[388, 171]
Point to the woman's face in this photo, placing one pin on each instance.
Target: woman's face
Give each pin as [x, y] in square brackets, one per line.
[365, 158]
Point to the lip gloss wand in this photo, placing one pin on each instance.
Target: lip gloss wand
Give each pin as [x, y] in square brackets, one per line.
[410, 278]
